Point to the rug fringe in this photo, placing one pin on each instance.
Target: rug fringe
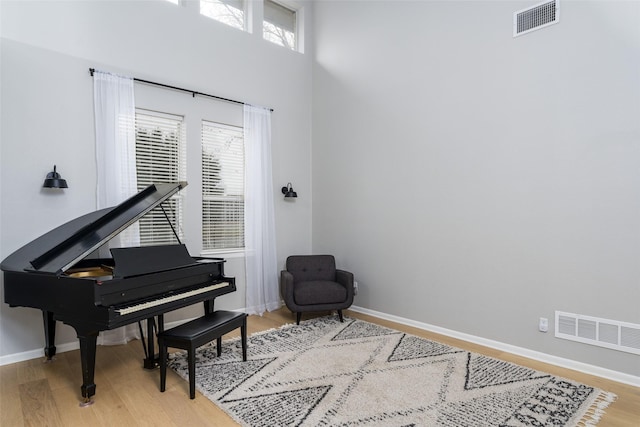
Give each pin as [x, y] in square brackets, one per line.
[597, 409]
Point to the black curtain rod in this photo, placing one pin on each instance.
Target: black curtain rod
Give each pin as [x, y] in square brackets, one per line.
[192, 92]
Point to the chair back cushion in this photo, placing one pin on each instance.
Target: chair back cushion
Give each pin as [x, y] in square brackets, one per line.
[306, 268]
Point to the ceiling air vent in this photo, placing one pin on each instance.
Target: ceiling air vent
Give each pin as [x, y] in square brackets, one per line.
[536, 17]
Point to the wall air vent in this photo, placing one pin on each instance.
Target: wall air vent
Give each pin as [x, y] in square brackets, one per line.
[536, 17]
[611, 334]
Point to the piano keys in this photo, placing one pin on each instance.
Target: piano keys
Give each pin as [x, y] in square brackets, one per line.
[55, 274]
[139, 306]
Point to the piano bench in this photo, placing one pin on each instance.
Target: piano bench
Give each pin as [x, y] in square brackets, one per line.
[195, 333]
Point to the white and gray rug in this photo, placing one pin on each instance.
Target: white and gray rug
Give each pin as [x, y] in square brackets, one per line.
[327, 373]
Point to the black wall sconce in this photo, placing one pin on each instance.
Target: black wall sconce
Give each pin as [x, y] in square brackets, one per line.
[54, 180]
[288, 191]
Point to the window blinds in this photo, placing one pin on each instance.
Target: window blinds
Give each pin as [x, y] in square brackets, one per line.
[280, 16]
[160, 157]
[222, 187]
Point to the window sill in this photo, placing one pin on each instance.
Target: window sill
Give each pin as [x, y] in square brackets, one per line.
[225, 255]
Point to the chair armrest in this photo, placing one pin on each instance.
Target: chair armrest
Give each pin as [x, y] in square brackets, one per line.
[345, 278]
[286, 286]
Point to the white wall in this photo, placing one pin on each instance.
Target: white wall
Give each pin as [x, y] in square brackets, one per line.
[47, 117]
[476, 181]
[470, 180]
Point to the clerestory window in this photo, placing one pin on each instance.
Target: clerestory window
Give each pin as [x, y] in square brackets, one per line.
[279, 25]
[230, 12]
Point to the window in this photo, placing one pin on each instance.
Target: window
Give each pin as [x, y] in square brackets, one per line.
[279, 24]
[230, 12]
[160, 157]
[222, 187]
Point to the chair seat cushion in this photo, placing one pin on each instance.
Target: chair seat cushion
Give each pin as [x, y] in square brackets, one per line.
[319, 292]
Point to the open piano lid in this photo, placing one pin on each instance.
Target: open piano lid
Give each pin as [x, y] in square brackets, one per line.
[59, 249]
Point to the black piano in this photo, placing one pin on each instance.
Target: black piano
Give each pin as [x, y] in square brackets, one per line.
[55, 274]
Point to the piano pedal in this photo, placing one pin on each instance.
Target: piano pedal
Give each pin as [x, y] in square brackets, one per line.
[152, 363]
[86, 401]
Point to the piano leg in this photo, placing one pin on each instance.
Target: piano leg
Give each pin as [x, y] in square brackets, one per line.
[88, 359]
[152, 360]
[49, 335]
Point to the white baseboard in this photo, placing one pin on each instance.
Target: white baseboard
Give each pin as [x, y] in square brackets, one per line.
[36, 354]
[609, 374]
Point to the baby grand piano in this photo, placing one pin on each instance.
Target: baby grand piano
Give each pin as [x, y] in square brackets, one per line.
[54, 274]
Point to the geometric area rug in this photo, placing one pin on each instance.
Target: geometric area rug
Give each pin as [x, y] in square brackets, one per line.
[327, 373]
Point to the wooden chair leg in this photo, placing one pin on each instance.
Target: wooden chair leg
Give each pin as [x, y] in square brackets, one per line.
[298, 317]
[340, 315]
[219, 346]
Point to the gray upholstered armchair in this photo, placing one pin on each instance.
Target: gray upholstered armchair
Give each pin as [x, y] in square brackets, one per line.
[312, 283]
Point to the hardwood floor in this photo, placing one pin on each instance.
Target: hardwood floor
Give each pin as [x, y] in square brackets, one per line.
[33, 393]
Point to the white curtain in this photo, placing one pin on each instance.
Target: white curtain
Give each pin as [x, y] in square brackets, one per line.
[260, 238]
[114, 110]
